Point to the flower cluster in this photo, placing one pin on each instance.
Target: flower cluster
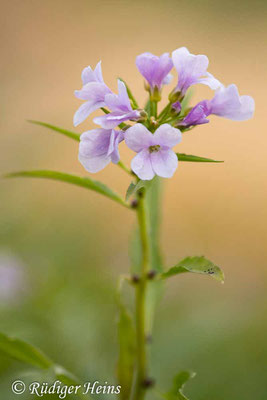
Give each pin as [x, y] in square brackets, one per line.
[150, 134]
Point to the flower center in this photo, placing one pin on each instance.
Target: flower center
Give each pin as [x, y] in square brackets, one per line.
[153, 149]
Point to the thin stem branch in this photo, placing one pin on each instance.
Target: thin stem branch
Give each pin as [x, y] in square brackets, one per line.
[123, 166]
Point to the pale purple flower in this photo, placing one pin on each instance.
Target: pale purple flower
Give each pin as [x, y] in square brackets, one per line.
[99, 147]
[192, 69]
[196, 116]
[155, 69]
[155, 155]
[93, 91]
[121, 109]
[226, 103]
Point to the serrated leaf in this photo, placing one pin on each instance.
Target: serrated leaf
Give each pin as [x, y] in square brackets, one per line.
[198, 265]
[192, 158]
[70, 134]
[87, 183]
[179, 381]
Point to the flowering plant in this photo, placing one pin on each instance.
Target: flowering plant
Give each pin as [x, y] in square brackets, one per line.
[152, 135]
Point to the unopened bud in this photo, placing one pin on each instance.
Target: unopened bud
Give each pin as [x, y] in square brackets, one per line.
[176, 108]
[175, 96]
[143, 116]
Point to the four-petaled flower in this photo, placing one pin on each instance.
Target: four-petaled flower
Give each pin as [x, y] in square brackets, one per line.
[121, 109]
[155, 155]
[192, 69]
[226, 103]
[155, 69]
[93, 91]
[98, 148]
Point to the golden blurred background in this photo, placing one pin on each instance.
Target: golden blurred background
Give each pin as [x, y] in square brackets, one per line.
[72, 244]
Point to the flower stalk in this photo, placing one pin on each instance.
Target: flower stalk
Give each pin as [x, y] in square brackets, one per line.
[141, 289]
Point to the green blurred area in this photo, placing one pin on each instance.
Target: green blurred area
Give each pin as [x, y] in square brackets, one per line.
[69, 246]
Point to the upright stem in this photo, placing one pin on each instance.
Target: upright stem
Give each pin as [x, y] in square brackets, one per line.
[140, 302]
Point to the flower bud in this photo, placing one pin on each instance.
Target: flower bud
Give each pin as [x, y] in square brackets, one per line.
[175, 96]
[176, 108]
[143, 115]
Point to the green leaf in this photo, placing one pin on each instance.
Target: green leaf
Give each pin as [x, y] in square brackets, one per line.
[130, 94]
[28, 354]
[134, 187]
[65, 132]
[24, 352]
[189, 157]
[179, 381]
[198, 265]
[130, 190]
[87, 183]
[127, 352]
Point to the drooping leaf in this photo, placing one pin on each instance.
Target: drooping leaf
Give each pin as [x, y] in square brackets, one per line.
[179, 381]
[65, 132]
[87, 183]
[130, 94]
[24, 352]
[198, 265]
[28, 354]
[191, 158]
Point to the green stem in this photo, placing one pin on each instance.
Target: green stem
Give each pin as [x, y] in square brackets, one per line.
[123, 166]
[165, 111]
[140, 302]
[154, 107]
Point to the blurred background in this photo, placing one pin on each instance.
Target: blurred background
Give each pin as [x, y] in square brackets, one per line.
[62, 248]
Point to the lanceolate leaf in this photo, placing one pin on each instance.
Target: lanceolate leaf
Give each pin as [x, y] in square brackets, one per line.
[65, 132]
[73, 179]
[191, 158]
[176, 392]
[26, 353]
[198, 265]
